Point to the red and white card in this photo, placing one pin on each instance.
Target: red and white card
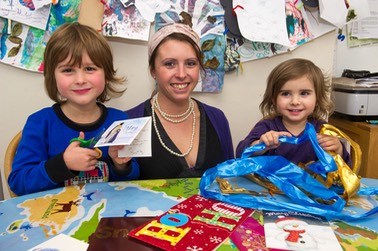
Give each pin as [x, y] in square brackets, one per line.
[194, 224]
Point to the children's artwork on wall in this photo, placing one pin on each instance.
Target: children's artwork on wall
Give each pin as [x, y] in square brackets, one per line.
[302, 25]
[213, 48]
[297, 28]
[122, 19]
[250, 50]
[26, 12]
[23, 46]
[149, 8]
[265, 28]
[207, 19]
[66, 11]
[316, 25]
[334, 12]
[262, 20]
[2, 25]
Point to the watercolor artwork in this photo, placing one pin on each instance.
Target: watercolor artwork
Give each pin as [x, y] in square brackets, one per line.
[22, 45]
[122, 19]
[296, 25]
[207, 20]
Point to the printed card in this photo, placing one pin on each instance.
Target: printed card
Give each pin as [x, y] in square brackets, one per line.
[134, 134]
[299, 231]
[250, 234]
[194, 224]
[61, 242]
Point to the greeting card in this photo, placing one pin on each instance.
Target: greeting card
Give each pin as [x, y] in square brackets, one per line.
[250, 234]
[194, 224]
[299, 231]
[61, 242]
[133, 134]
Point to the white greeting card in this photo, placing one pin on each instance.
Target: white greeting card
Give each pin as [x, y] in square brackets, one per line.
[61, 242]
[134, 134]
[299, 231]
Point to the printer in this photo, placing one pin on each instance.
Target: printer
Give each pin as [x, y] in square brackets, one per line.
[355, 99]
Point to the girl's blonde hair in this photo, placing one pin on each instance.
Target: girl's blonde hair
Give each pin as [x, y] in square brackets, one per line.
[72, 40]
[293, 69]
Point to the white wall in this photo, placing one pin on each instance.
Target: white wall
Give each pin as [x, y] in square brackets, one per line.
[22, 92]
[356, 58]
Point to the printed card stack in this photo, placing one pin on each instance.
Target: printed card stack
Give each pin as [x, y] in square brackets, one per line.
[194, 224]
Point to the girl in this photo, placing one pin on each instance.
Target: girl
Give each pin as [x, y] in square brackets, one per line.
[79, 77]
[296, 94]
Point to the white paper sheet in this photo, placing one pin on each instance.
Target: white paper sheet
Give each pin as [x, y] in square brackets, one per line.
[61, 242]
[149, 8]
[262, 20]
[17, 11]
[334, 11]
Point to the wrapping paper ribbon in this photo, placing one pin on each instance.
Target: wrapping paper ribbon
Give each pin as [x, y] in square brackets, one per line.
[318, 195]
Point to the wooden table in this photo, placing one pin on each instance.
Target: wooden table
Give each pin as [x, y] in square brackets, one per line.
[366, 135]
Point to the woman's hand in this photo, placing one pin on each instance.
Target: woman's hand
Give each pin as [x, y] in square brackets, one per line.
[78, 158]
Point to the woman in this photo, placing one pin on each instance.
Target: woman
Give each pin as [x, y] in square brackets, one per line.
[188, 136]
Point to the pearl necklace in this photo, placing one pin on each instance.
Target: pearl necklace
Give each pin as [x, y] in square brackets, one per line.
[179, 117]
[161, 140]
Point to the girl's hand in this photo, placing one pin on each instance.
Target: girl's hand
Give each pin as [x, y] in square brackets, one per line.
[78, 158]
[270, 139]
[330, 143]
[120, 163]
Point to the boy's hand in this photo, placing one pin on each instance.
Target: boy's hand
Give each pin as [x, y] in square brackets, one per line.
[78, 158]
